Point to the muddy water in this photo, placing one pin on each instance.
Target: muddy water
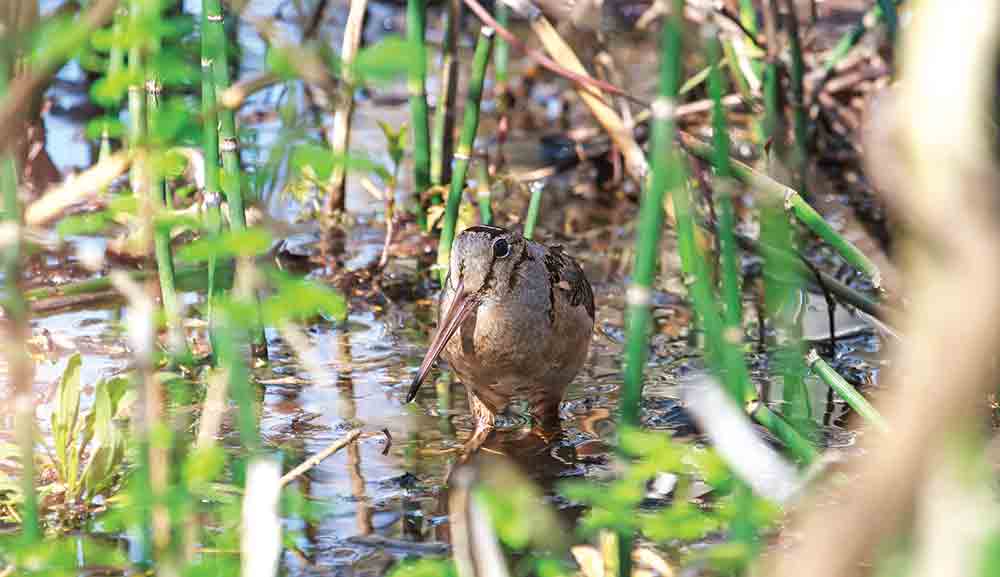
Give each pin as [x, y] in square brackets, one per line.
[385, 499]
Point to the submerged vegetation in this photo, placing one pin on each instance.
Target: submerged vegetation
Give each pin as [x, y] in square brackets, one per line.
[223, 226]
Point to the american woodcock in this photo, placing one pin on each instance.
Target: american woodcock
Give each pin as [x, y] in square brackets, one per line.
[514, 319]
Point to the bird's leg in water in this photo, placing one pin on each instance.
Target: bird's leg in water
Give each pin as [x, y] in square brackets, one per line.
[485, 423]
[544, 414]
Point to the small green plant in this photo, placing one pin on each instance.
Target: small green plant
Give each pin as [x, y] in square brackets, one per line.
[87, 452]
[621, 505]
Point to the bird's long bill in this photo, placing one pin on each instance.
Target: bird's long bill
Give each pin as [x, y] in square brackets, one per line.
[458, 311]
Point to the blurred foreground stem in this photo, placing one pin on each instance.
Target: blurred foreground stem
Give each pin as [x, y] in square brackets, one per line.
[19, 369]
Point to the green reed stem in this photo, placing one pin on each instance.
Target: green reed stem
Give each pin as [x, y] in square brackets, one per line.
[161, 234]
[484, 193]
[798, 446]
[891, 18]
[775, 191]
[416, 16]
[782, 299]
[140, 182]
[537, 187]
[189, 278]
[229, 338]
[851, 396]
[444, 116]
[815, 222]
[470, 125]
[232, 181]
[501, 73]
[210, 149]
[723, 353]
[850, 39]
[228, 141]
[743, 528]
[800, 119]
[19, 370]
[116, 63]
[728, 249]
[667, 174]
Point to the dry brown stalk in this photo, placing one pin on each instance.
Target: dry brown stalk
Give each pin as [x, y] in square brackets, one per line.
[340, 134]
[319, 457]
[75, 190]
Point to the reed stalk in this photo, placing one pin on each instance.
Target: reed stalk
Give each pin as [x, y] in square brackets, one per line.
[773, 191]
[161, 234]
[724, 189]
[210, 149]
[340, 133]
[470, 124]
[849, 394]
[19, 368]
[484, 193]
[416, 17]
[232, 180]
[667, 174]
[814, 221]
[501, 74]
[803, 451]
[743, 528]
[800, 119]
[876, 14]
[444, 115]
[531, 219]
[722, 352]
[116, 63]
[782, 300]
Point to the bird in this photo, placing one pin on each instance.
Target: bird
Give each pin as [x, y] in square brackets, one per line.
[515, 319]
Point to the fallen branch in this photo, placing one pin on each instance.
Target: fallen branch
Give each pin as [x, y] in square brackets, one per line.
[319, 457]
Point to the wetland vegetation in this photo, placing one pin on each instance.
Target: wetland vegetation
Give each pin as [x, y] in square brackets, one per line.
[225, 226]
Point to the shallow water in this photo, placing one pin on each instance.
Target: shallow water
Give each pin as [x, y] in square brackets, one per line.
[387, 499]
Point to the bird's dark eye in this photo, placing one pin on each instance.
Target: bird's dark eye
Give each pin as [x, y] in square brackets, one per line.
[501, 248]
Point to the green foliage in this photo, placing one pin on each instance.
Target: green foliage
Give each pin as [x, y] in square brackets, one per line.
[244, 243]
[88, 449]
[425, 568]
[317, 162]
[97, 127]
[387, 60]
[296, 299]
[619, 506]
[60, 557]
[395, 141]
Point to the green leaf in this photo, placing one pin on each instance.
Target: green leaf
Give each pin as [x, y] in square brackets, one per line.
[97, 126]
[242, 243]
[168, 121]
[395, 141]
[65, 416]
[320, 162]
[203, 466]
[89, 224]
[391, 58]
[299, 299]
[425, 568]
[111, 89]
[173, 68]
[280, 63]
